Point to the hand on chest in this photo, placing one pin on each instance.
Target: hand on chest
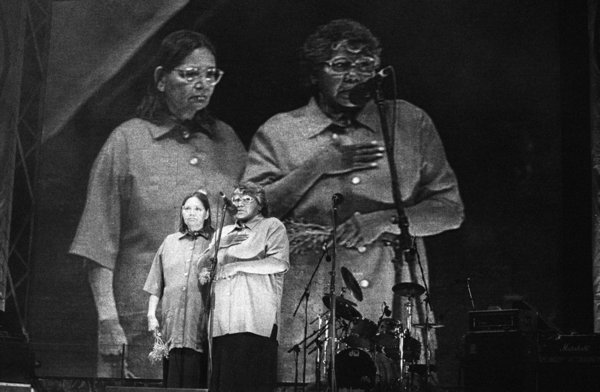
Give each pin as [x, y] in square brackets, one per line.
[242, 245]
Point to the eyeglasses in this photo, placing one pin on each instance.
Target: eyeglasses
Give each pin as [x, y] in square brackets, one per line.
[342, 65]
[242, 200]
[210, 76]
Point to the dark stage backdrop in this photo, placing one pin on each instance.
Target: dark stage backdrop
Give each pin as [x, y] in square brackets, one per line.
[489, 74]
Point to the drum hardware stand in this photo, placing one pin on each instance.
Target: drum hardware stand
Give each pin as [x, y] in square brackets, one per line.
[305, 297]
[403, 334]
[320, 339]
[336, 199]
[318, 357]
[427, 326]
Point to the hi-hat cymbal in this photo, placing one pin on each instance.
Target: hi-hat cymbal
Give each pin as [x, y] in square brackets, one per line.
[408, 289]
[352, 284]
[430, 326]
[343, 308]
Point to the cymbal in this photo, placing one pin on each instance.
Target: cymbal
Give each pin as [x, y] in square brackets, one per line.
[343, 308]
[352, 284]
[408, 289]
[430, 326]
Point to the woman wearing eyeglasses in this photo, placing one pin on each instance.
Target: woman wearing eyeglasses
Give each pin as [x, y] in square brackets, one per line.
[172, 281]
[335, 144]
[253, 257]
[140, 176]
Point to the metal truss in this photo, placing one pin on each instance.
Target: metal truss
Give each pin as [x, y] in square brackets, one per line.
[29, 136]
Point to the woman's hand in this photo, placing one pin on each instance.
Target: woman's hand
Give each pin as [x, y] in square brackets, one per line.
[363, 229]
[152, 323]
[111, 337]
[226, 271]
[342, 158]
[233, 238]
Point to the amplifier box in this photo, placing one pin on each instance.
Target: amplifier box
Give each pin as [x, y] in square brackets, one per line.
[570, 348]
[502, 320]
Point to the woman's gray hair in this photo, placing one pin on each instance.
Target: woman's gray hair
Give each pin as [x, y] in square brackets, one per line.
[327, 38]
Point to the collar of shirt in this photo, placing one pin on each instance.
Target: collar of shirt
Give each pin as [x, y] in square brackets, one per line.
[316, 121]
[251, 224]
[194, 234]
[165, 123]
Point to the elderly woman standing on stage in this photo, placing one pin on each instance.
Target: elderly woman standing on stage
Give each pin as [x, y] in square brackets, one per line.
[173, 280]
[247, 289]
[137, 183]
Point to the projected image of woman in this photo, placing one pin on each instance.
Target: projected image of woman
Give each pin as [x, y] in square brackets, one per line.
[136, 185]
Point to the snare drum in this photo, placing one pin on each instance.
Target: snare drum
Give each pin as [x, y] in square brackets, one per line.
[361, 369]
[389, 326]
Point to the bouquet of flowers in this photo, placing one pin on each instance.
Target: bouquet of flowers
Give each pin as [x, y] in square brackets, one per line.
[160, 349]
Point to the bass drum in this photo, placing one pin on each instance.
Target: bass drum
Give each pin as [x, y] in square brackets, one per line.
[360, 369]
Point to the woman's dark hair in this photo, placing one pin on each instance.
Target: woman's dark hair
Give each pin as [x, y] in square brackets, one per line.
[174, 48]
[257, 192]
[200, 195]
[320, 45]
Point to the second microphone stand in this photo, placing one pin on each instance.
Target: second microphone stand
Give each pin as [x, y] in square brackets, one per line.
[210, 291]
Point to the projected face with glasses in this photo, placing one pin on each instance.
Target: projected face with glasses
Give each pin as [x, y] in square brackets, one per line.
[342, 65]
[191, 74]
[188, 87]
[344, 70]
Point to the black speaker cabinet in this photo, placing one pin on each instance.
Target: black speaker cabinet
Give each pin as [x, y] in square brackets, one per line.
[16, 362]
[499, 362]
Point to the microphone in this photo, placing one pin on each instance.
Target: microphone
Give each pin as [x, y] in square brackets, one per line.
[362, 92]
[470, 293]
[232, 209]
[337, 199]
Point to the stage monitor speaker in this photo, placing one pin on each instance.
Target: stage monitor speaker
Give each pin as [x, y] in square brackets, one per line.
[151, 389]
[14, 387]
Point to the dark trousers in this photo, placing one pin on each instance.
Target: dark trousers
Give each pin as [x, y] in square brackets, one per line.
[244, 362]
[185, 368]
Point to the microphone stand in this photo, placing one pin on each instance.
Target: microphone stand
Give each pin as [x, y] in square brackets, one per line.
[305, 296]
[404, 245]
[210, 291]
[332, 302]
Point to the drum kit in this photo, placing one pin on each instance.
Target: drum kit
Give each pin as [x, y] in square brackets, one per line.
[369, 355]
